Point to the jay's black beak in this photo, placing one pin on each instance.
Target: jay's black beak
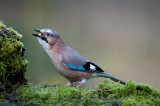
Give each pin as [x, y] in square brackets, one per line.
[39, 35]
[36, 35]
[37, 30]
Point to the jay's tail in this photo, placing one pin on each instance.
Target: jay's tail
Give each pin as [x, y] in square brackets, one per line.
[111, 77]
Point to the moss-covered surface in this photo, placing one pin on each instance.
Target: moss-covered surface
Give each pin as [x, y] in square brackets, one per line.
[15, 91]
[104, 94]
[12, 61]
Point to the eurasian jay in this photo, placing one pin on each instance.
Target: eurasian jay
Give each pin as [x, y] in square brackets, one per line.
[67, 61]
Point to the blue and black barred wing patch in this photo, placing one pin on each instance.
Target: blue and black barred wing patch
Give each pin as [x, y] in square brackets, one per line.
[88, 67]
[74, 67]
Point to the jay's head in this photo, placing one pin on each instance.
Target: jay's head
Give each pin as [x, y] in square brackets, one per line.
[46, 36]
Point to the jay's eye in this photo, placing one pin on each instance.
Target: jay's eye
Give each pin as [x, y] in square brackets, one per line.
[47, 34]
[42, 34]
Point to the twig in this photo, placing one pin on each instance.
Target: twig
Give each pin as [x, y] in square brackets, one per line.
[101, 90]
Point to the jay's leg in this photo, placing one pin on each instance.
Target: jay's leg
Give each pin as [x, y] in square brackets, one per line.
[81, 83]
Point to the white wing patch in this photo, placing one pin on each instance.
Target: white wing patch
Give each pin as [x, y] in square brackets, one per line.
[92, 67]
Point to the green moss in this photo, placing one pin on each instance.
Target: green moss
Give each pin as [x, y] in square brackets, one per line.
[132, 93]
[104, 94]
[12, 61]
[2, 25]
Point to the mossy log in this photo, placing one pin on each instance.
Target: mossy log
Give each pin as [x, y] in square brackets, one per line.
[14, 89]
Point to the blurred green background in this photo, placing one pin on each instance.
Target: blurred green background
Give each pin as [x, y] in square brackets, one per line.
[121, 36]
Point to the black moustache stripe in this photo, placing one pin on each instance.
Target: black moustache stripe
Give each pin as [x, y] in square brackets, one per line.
[44, 38]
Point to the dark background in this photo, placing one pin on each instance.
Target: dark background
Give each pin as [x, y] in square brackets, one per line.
[121, 36]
